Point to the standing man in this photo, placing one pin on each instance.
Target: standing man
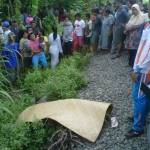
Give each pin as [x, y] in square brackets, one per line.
[121, 18]
[67, 37]
[141, 79]
[6, 31]
[79, 32]
[15, 29]
[96, 29]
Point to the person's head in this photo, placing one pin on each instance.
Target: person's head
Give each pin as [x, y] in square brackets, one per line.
[30, 30]
[136, 9]
[5, 25]
[102, 11]
[32, 36]
[25, 34]
[88, 16]
[33, 24]
[41, 38]
[54, 29]
[107, 12]
[67, 18]
[129, 4]
[95, 11]
[11, 37]
[78, 16]
[117, 4]
[14, 23]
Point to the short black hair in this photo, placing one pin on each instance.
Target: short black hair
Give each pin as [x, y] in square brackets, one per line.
[78, 15]
[88, 15]
[29, 36]
[108, 11]
[95, 10]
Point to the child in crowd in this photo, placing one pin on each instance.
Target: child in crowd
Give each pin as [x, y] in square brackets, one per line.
[38, 56]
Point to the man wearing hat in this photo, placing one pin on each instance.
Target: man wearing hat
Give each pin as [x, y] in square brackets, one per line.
[6, 31]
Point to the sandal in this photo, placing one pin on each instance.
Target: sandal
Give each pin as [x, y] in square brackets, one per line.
[133, 133]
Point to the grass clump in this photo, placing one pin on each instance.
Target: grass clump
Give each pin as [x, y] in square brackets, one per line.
[61, 83]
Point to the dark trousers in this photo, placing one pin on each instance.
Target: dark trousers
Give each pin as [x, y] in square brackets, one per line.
[132, 55]
[67, 48]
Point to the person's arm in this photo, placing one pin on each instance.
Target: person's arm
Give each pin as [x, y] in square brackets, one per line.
[133, 27]
[59, 45]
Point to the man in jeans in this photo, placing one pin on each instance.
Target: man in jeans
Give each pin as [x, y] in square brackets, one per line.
[96, 29]
[140, 76]
[121, 18]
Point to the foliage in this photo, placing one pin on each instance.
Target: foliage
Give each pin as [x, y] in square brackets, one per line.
[60, 83]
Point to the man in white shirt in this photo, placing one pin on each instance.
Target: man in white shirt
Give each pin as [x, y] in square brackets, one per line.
[79, 32]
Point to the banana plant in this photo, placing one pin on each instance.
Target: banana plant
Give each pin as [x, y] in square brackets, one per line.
[35, 6]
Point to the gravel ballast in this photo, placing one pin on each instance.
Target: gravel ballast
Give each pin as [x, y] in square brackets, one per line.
[109, 81]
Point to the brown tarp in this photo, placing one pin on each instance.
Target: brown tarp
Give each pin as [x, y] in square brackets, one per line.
[83, 117]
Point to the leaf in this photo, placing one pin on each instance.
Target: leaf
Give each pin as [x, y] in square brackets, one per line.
[6, 110]
[4, 93]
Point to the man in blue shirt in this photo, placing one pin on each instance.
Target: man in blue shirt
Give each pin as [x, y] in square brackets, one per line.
[10, 54]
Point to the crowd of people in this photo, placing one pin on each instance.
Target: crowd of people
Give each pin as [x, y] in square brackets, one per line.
[113, 28]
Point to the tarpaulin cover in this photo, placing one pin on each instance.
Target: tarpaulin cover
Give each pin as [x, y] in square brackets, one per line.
[83, 117]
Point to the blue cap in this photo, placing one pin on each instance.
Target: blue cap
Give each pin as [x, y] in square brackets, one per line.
[5, 24]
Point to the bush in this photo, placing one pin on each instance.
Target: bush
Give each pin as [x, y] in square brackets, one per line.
[21, 136]
[60, 83]
[15, 135]
[63, 82]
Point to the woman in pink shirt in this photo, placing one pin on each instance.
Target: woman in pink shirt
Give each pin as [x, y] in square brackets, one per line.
[38, 56]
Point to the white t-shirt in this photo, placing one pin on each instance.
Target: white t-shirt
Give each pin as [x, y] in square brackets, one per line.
[89, 24]
[5, 34]
[79, 27]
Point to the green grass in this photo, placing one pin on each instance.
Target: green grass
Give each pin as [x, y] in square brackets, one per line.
[61, 83]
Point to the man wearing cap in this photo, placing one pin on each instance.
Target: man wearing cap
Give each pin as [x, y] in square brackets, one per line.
[6, 31]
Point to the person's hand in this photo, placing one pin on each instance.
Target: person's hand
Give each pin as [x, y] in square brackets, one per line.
[133, 76]
[125, 31]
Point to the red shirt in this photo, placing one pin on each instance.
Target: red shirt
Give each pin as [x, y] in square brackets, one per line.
[35, 46]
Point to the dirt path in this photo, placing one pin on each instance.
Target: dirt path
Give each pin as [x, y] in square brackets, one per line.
[109, 81]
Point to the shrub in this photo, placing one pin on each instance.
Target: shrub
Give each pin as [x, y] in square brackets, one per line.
[60, 83]
[63, 82]
[15, 135]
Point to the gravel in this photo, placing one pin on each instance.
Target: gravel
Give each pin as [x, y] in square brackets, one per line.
[109, 81]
